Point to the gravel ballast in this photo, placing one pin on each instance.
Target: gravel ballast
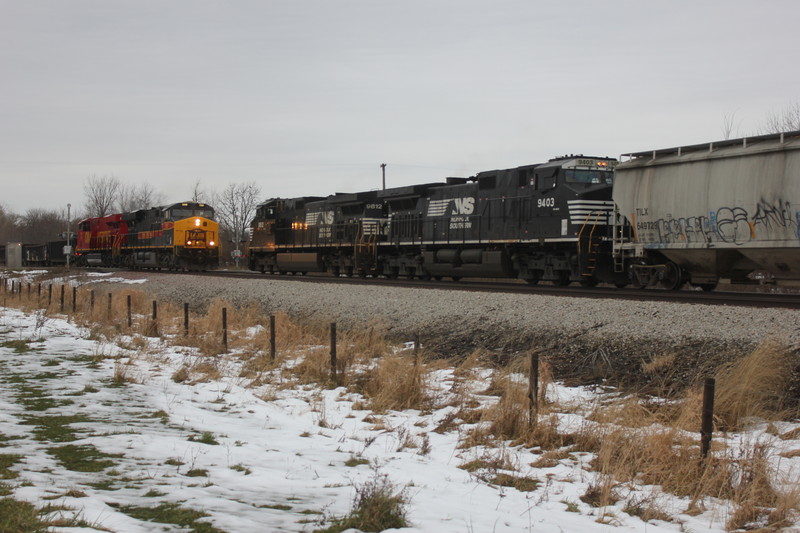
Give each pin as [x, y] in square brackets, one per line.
[574, 333]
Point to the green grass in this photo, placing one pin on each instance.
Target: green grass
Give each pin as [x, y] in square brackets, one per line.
[171, 513]
[55, 428]
[241, 468]
[83, 458]
[19, 345]
[34, 398]
[7, 460]
[20, 517]
[206, 438]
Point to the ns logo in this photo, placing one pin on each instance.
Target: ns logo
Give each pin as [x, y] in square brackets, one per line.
[461, 206]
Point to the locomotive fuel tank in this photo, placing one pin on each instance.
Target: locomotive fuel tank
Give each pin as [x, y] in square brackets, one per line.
[716, 210]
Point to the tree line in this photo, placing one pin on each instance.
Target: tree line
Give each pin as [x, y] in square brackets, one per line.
[105, 195]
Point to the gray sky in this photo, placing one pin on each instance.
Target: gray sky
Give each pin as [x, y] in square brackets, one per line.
[309, 97]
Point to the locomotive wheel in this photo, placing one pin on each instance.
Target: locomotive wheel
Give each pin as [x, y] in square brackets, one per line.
[532, 281]
[589, 282]
[672, 280]
[456, 278]
[707, 287]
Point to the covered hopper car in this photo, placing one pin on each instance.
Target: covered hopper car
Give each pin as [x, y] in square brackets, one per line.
[699, 213]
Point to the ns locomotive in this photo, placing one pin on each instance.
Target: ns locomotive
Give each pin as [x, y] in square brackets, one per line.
[181, 236]
[695, 214]
[550, 221]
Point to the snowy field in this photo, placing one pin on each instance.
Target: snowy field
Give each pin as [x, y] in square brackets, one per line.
[266, 458]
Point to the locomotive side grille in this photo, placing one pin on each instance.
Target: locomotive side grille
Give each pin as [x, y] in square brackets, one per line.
[598, 211]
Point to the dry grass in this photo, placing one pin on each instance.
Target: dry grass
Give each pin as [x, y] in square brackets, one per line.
[397, 382]
[754, 386]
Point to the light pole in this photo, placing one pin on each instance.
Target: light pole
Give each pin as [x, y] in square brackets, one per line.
[383, 171]
[68, 248]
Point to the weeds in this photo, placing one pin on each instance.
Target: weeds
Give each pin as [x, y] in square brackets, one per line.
[377, 506]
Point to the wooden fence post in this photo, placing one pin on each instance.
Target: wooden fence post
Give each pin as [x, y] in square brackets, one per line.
[129, 311]
[707, 426]
[91, 301]
[225, 328]
[154, 323]
[533, 389]
[49, 295]
[272, 344]
[333, 351]
[62, 298]
[74, 298]
[185, 319]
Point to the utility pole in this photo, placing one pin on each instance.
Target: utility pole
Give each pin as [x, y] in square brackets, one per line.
[68, 248]
[383, 170]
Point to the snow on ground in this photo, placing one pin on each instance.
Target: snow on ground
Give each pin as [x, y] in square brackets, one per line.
[252, 464]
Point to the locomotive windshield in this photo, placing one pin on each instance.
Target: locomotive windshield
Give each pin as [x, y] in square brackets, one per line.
[186, 212]
[589, 176]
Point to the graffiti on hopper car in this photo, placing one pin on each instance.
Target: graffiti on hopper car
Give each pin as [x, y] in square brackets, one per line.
[770, 220]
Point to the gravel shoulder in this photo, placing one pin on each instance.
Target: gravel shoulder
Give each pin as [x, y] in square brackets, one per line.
[577, 335]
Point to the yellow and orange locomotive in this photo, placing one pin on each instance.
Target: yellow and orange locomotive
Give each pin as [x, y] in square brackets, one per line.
[182, 236]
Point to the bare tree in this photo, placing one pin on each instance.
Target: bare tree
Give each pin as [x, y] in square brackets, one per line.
[730, 125]
[41, 225]
[234, 207]
[787, 119]
[101, 194]
[8, 225]
[199, 194]
[141, 196]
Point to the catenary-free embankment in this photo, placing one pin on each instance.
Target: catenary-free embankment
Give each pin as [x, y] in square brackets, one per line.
[574, 334]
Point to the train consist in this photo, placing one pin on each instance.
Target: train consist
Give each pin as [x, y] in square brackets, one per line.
[662, 218]
[182, 236]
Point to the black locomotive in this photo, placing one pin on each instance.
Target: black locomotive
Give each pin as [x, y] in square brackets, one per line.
[551, 221]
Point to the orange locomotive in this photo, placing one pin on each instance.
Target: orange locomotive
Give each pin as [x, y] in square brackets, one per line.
[182, 236]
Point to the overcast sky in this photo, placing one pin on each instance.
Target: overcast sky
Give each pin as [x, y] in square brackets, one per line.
[309, 97]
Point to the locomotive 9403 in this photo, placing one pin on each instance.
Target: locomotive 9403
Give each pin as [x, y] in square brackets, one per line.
[551, 221]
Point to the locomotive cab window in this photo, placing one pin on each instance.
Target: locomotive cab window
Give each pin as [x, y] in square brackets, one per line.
[591, 177]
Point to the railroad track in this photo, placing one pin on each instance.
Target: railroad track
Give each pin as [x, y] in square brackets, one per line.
[719, 297]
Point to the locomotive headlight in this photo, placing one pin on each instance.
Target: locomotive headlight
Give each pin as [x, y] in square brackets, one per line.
[197, 222]
[211, 243]
[188, 243]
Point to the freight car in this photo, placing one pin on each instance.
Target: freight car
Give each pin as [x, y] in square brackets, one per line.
[699, 213]
[53, 253]
[550, 221]
[178, 236]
